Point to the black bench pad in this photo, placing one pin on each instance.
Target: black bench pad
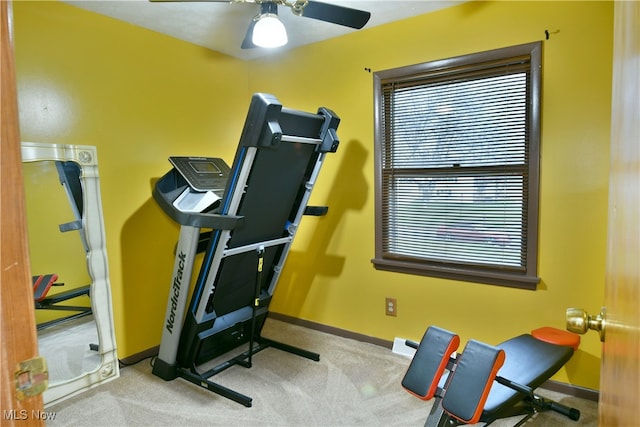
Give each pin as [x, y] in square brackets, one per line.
[471, 381]
[529, 362]
[429, 362]
[42, 284]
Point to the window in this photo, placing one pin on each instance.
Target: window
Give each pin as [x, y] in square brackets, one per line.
[457, 167]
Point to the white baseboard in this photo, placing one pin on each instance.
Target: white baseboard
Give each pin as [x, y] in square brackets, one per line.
[399, 347]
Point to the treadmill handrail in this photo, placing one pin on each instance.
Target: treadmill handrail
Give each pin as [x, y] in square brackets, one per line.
[201, 220]
[255, 246]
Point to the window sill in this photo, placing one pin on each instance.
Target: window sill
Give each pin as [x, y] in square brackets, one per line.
[512, 280]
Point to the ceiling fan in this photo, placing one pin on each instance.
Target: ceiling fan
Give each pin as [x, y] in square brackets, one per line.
[266, 30]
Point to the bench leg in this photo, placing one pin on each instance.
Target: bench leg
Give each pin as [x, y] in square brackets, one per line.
[438, 417]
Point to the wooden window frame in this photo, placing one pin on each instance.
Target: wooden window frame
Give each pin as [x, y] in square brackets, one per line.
[526, 277]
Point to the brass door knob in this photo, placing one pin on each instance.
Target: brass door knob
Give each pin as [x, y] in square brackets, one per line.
[579, 321]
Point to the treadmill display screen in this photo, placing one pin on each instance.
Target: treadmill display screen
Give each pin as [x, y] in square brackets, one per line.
[203, 173]
[205, 167]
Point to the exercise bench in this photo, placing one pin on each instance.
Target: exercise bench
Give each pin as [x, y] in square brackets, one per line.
[43, 301]
[485, 383]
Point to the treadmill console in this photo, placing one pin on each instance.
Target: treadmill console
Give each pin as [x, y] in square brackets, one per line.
[203, 173]
[194, 185]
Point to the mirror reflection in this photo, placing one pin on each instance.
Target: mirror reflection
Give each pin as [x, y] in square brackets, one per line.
[67, 333]
[69, 267]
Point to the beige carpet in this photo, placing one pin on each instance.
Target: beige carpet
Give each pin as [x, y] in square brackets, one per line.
[65, 346]
[354, 384]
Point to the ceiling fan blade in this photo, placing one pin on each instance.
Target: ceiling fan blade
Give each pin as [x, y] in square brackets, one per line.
[247, 43]
[335, 14]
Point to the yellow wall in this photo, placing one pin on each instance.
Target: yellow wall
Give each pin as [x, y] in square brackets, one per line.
[140, 97]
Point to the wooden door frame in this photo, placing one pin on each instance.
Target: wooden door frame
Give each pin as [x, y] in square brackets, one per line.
[620, 372]
[17, 317]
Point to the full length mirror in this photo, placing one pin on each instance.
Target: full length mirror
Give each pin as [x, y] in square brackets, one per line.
[68, 259]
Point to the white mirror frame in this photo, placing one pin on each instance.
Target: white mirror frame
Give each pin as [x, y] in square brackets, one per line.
[100, 289]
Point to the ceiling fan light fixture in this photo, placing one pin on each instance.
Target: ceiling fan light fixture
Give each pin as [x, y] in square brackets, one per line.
[269, 31]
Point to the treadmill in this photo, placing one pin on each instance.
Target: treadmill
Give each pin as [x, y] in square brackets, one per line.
[244, 218]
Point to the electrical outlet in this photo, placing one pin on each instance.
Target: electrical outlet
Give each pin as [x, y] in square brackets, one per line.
[391, 307]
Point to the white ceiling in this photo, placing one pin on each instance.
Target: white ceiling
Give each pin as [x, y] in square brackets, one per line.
[222, 26]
